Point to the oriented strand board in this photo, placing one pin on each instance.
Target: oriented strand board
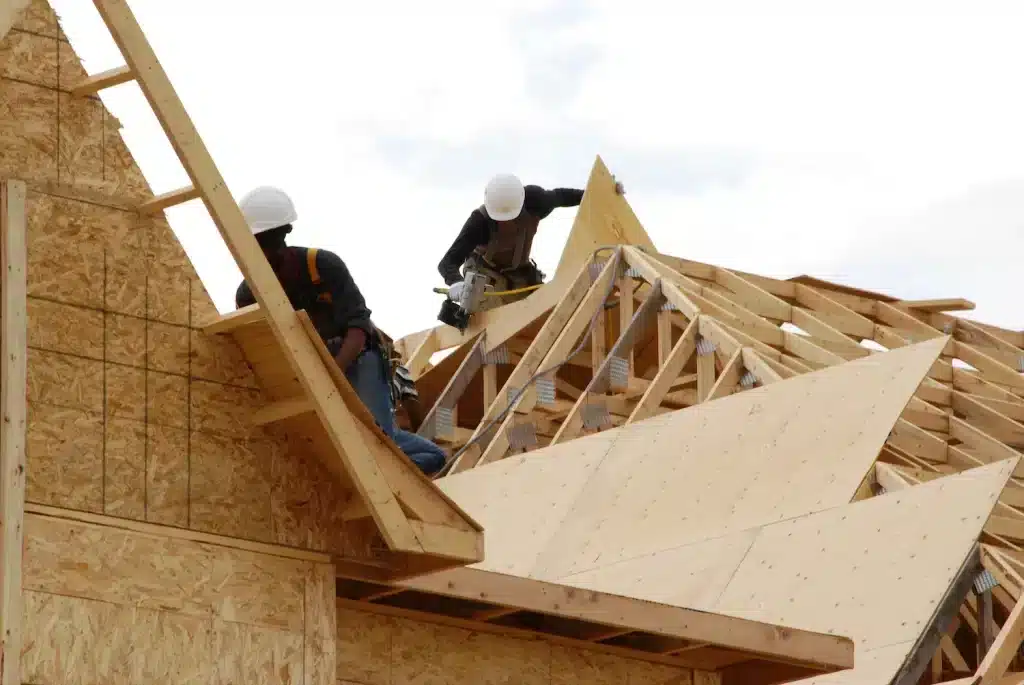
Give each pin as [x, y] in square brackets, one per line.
[133, 410]
[765, 455]
[121, 606]
[875, 570]
[375, 649]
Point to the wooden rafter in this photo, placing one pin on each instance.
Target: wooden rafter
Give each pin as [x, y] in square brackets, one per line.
[388, 485]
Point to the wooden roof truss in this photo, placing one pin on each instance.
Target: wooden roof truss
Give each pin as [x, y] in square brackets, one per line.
[636, 333]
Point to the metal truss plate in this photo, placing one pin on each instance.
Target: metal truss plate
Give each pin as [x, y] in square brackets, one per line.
[705, 347]
[984, 582]
[443, 424]
[594, 269]
[595, 416]
[667, 306]
[747, 380]
[632, 272]
[499, 355]
[546, 391]
[618, 372]
[522, 436]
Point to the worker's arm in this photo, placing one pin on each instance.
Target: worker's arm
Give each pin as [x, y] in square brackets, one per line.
[541, 202]
[473, 234]
[350, 310]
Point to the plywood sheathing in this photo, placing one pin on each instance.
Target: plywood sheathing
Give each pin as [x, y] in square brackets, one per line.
[780, 452]
[765, 455]
[126, 606]
[360, 469]
[10, 13]
[133, 410]
[381, 649]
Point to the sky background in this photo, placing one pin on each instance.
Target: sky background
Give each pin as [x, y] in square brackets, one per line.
[875, 143]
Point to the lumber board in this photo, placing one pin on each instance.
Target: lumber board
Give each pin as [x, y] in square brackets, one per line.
[13, 406]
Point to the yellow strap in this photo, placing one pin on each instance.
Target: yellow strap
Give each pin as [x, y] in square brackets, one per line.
[314, 275]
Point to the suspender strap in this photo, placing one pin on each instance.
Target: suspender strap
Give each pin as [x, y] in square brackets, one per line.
[314, 274]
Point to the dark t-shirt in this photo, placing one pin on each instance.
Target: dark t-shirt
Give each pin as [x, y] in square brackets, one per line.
[477, 229]
[344, 309]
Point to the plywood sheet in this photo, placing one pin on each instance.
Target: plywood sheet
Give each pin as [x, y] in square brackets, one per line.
[765, 455]
[122, 606]
[875, 570]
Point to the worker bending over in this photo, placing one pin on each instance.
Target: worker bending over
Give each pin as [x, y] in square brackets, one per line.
[497, 237]
[318, 282]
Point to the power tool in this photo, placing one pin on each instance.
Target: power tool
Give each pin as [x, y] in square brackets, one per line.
[457, 314]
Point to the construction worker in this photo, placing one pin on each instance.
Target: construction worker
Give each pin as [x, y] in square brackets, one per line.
[497, 237]
[318, 282]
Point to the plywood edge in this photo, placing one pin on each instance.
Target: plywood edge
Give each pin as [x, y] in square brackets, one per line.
[33, 510]
[816, 651]
[604, 219]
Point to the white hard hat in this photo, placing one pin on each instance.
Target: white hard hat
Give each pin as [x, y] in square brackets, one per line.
[504, 197]
[267, 207]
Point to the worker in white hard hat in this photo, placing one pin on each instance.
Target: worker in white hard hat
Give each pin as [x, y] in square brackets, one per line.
[497, 237]
[318, 282]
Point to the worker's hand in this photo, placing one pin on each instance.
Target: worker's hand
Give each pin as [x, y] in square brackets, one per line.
[619, 188]
[455, 291]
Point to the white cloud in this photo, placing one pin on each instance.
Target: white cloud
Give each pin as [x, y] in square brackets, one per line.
[859, 120]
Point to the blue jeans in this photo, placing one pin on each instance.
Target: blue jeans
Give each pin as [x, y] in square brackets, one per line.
[369, 379]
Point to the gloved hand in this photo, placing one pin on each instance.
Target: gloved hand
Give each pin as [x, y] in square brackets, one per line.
[455, 291]
[619, 188]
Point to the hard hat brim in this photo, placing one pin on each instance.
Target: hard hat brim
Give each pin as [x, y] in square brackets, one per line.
[504, 216]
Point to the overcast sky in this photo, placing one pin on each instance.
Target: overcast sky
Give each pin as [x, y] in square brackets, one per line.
[877, 143]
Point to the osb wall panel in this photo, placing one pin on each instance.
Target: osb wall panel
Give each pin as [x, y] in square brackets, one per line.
[114, 606]
[133, 411]
[385, 650]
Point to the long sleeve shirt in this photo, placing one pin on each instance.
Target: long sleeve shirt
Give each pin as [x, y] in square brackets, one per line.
[335, 305]
[477, 229]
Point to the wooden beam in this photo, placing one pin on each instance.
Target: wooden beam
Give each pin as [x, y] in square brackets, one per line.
[532, 359]
[169, 199]
[103, 80]
[951, 304]
[13, 383]
[453, 391]
[599, 382]
[681, 353]
[420, 357]
[729, 378]
[281, 410]
[577, 324]
[294, 342]
[1003, 648]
